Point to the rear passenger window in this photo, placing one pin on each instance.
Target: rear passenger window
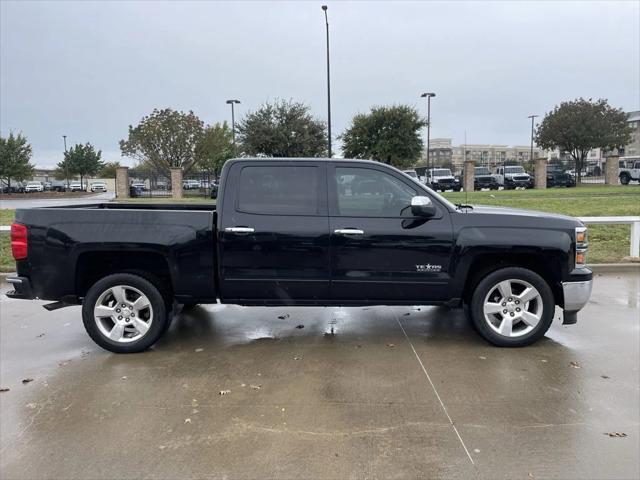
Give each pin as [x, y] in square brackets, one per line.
[279, 190]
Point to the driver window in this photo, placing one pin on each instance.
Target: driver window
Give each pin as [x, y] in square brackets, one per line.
[364, 192]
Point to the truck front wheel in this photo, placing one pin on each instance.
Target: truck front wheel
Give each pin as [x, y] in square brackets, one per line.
[124, 313]
[512, 307]
[625, 178]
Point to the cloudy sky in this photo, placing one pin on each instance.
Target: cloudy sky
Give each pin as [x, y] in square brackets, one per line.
[89, 69]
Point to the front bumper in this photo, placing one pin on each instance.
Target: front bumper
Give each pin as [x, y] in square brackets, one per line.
[576, 294]
[22, 288]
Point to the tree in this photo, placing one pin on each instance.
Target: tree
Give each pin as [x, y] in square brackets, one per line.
[15, 156]
[580, 125]
[387, 134]
[81, 160]
[282, 129]
[215, 148]
[165, 139]
[109, 169]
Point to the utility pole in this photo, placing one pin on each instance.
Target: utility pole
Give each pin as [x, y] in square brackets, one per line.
[326, 21]
[66, 164]
[428, 95]
[233, 123]
[531, 149]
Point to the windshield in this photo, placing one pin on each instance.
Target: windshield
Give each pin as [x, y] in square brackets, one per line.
[482, 171]
[441, 172]
[513, 170]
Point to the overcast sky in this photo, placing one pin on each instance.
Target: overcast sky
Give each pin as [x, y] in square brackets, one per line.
[90, 69]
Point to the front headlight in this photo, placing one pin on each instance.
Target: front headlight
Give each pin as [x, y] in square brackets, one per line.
[582, 246]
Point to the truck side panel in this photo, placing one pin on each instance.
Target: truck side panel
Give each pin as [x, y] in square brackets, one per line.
[64, 241]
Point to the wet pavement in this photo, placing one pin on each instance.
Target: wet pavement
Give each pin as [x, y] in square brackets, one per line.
[375, 392]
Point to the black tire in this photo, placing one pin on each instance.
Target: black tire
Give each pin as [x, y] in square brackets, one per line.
[625, 178]
[484, 287]
[158, 306]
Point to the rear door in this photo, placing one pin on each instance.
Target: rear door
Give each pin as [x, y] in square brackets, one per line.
[274, 234]
[380, 253]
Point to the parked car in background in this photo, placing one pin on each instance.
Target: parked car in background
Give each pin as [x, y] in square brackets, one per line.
[214, 190]
[141, 185]
[47, 186]
[162, 185]
[513, 176]
[75, 187]
[34, 187]
[191, 185]
[441, 179]
[483, 178]
[412, 173]
[630, 174]
[557, 176]
[98, 186]
[58, 186]
[135, 190]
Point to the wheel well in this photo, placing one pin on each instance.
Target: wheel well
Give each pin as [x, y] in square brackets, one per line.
[92, 266]
[548, 269]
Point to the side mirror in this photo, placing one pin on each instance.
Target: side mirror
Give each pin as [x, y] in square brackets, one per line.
[422, 207]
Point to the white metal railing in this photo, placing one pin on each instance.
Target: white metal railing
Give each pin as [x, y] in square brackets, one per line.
[634, 221]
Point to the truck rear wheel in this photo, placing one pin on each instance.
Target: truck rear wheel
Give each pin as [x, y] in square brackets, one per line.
[512, 307]
[124, 313]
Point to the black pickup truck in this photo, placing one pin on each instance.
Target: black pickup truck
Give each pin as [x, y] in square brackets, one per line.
[302, 232]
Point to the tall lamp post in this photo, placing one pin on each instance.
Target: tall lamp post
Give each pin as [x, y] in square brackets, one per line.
[326, 21]
[428, 95]
[66, 164]
[531, 149]
[233, 123]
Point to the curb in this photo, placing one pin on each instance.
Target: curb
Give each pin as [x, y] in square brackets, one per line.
[615, 267]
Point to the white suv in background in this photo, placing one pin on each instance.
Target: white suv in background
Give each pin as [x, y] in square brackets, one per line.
[98, 187]
[34, 187]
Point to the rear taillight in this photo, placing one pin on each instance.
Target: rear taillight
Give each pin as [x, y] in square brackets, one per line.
[19, 241]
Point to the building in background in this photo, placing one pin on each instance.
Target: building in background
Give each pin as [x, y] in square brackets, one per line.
[632, 149]
[443, 153]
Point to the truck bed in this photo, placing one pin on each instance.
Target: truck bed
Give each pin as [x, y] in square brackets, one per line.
[176, 241]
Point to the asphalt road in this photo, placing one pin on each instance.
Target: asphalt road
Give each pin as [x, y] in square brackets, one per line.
[32, 202]
[357, 393]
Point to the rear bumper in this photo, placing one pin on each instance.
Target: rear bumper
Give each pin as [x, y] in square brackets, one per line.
[22, 288]
[576, 295]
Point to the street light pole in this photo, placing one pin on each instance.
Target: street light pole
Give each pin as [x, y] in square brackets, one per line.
[66, 164]
[326, 21]
[233, 123]
[428, 95]
[531, 149]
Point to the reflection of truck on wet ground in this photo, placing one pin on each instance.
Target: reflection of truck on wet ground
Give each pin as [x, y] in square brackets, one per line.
[513, 176]
[630, 172]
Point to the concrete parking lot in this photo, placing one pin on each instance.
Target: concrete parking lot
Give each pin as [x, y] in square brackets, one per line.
[324, 393]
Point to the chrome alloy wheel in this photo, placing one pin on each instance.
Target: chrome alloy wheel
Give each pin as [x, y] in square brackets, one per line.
[123, 314]
[513, 308]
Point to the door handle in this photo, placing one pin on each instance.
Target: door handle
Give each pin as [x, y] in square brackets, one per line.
[349, 231]
[239, 230]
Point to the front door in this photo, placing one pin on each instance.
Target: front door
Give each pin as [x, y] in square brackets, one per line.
[273, 237]
[380, 253]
